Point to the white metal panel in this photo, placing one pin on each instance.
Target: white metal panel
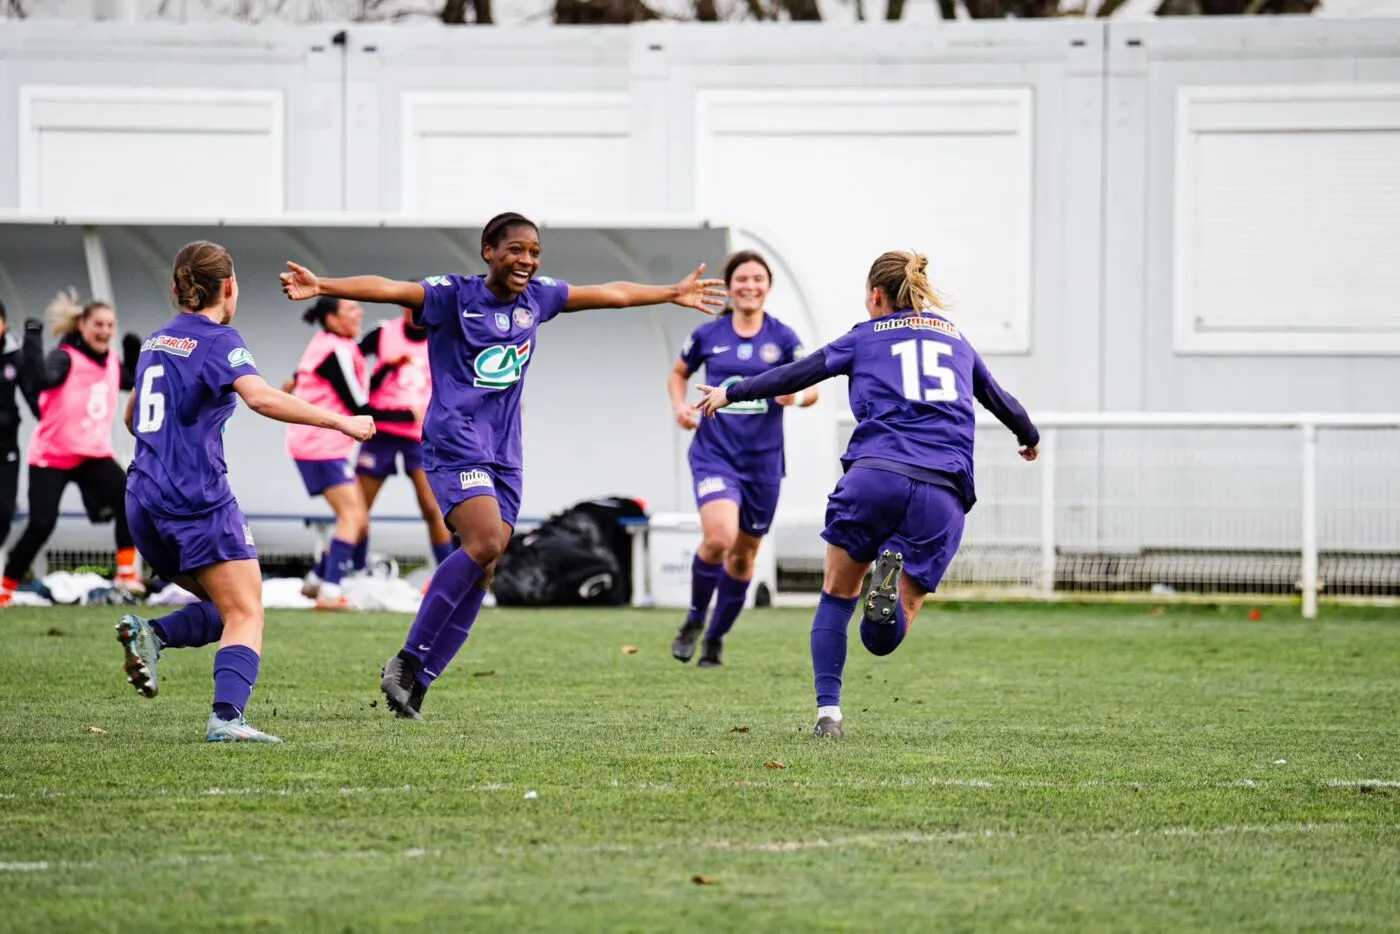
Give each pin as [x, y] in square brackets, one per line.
[946, 171]
[177, 151]
[1287, 216]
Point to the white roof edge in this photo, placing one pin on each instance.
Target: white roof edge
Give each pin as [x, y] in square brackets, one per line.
[366, 220]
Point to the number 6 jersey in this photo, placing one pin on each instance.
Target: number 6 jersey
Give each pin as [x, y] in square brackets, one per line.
[184, 395]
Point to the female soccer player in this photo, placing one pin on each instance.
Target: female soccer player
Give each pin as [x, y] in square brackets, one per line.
[736, 462]
[908, 481]
[181, 508]
[78, 383]
[12, 377]
[401, 380]
[481, 339]
[332, 374]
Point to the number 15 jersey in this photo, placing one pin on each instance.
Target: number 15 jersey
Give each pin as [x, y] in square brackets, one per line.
[184, 396]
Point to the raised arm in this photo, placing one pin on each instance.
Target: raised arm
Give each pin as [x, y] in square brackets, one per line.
[300, 283]
[1005, 407]
[275, 404]
[705, 295]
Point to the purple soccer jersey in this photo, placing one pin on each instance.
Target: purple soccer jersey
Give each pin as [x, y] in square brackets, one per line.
[478, 352]
[747, 437]
[184, 396]
[913, 378]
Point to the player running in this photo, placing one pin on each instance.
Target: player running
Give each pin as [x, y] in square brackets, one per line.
[736, 462]
[78, 382]
[332, 374]
[908, 468]
[182, 511]
[482, 336]
[400, 380]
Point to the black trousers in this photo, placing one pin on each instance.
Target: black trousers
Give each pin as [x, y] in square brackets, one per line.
[103, 484]
[9, 489]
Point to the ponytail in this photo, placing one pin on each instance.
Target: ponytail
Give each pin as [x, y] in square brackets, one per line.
[903, 276]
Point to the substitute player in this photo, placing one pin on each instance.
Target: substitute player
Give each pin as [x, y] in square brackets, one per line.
[909, 479]
[483, 334]
[332, 374]
[400, 380]
[182, 511]
[736, 462]
[78, 382]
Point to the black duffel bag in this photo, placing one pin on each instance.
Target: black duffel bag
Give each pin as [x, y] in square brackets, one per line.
[580, 556]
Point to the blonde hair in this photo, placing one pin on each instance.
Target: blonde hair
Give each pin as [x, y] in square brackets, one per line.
[903, 276]
[64, 314]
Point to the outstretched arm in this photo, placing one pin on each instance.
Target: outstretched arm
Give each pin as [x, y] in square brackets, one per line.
[705, 295]
[275, 404]
[300, 283]
[1005, 407]
[779, 381]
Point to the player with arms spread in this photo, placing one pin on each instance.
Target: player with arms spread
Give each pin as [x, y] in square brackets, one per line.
[737, 461]
[181, 510]
[481, 339]
[908, 481]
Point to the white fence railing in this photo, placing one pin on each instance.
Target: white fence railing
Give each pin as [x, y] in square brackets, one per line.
[1188, 504]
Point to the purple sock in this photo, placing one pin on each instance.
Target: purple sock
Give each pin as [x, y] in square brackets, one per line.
[729, 603]
[442, 552]
[193, 625]
[453, 636]
[829, 646]
[359, 558]
[703, 578]
[452, 584]
[235, 673]
[883, 638]
[338, 561]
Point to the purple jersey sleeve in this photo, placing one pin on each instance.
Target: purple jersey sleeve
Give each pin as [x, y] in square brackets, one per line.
[440, 301]
[693, 352]
[840, 354]
[550, 296]
[1002, 404]
[228, 360]
[782, 380]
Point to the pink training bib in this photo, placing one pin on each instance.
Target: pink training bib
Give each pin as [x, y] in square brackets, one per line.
[304, 442]
[75, 419]
[408, 386]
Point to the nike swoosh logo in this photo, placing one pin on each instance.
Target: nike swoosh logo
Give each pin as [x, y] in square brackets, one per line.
[889, 579]
[719, 349]
[468, 314]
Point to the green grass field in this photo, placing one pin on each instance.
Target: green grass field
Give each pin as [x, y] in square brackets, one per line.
[1009, 768]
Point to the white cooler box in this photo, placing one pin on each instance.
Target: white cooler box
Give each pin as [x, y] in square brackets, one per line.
[672, 538]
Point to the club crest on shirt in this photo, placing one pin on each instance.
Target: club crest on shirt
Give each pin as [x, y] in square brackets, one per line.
[500, 365]
[745, 351]
[769, 353]
[523, 318]
[502, 321]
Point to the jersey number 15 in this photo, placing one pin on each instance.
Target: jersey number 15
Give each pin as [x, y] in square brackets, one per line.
[150, 405]
[918, 361]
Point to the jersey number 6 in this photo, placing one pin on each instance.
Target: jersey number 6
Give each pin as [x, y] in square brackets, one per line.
[911, 354]
[151, 405]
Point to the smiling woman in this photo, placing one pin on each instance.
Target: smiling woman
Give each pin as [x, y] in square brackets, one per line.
[481, 340]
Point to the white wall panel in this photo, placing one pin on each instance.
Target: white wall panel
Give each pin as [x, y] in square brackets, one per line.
[1287, 219]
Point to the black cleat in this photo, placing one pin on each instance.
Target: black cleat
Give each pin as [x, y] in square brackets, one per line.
[415, 702]
[828, 728]
[710, 657]
[683, 646]
[400, 676]
[883, 594]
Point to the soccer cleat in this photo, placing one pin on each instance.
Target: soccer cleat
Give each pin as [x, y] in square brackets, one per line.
[683, 646]
[828, 728]
[710, 657]
[130, 583]
[235, 731]
[400, 675]
[880, 600]
[338, 605]
[415, 702]
[141, 648]
[311, 585]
